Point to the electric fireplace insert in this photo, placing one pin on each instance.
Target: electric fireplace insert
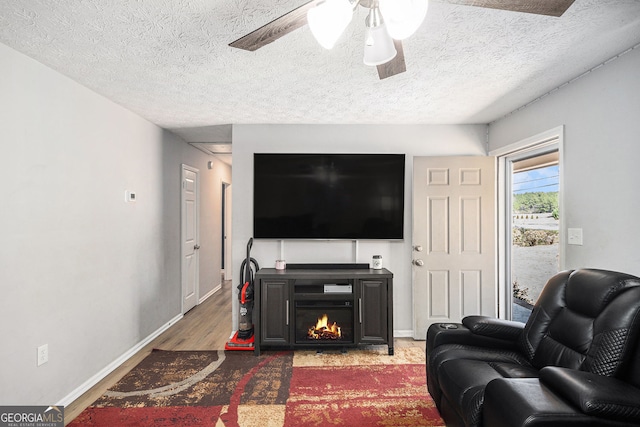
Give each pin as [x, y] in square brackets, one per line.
[324, 322]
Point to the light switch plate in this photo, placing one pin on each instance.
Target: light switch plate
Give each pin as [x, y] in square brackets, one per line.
[43, 354]
[574, 236]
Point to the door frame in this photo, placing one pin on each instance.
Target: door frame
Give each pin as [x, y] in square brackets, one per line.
[227, 267]
[183, 275]
[550, 140]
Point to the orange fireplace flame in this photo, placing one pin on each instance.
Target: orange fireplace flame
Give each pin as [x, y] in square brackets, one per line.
[324, 330]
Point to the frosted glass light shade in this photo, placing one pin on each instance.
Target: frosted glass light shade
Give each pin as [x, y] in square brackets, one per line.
[328, 21]
[378, 46]
[403, 17]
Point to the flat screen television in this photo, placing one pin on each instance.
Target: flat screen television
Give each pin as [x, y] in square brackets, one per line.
[328, 196]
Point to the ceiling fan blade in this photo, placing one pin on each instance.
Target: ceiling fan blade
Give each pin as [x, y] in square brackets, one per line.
[395, 66]
[538, 7]
[275, 29]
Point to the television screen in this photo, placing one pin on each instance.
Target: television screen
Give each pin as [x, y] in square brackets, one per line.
[328, 196]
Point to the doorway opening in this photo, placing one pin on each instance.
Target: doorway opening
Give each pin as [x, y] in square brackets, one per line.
[530, 220]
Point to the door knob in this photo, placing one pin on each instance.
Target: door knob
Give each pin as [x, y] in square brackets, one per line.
[418, 262]
[196, 247]
[417, 248]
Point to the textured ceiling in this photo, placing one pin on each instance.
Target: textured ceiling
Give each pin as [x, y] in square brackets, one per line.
[168, 60]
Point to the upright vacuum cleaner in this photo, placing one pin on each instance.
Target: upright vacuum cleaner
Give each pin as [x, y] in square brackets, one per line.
[243, 338]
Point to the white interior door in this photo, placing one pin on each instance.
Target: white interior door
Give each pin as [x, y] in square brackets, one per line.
[190, 237]
[454, 239]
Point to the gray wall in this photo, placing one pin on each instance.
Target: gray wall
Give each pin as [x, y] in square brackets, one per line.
[412, 140]
[80, 269]
[601, 115]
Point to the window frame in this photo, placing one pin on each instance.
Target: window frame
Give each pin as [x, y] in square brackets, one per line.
[544, 142]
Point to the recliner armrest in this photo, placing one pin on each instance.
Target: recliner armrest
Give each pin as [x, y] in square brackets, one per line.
[594, 394]
[494, 328]
[456, 333]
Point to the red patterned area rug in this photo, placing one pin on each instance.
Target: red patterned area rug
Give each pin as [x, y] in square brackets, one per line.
[364, 387]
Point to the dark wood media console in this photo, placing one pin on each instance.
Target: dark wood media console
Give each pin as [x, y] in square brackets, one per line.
[323, 306]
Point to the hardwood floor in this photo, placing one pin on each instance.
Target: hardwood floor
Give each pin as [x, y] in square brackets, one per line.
[206, 327]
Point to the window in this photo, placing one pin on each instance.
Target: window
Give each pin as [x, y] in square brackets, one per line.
[534, 229]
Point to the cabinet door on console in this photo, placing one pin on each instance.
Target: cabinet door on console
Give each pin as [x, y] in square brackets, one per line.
[373, 313]
[274, 316]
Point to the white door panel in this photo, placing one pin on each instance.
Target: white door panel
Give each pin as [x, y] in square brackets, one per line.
[190, 233]
[454, 221]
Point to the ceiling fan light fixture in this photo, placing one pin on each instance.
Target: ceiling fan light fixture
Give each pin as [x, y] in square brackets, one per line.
[328, 21]
[378, 45]
[403, 17]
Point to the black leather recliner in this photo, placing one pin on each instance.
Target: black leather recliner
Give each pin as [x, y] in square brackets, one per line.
[576, 362]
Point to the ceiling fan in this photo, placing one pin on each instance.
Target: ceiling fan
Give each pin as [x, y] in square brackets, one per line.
[388, 23]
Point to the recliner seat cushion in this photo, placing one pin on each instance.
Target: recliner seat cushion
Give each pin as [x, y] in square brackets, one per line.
[446, 352]
[463, 383]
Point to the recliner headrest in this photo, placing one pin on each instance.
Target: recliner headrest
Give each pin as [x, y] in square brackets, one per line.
[589, 291]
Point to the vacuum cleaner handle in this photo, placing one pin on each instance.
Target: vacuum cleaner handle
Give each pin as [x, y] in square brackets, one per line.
[247, 265]
[249, 245]
[246, 274]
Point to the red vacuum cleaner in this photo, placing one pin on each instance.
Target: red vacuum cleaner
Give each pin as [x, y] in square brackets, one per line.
[243, 338]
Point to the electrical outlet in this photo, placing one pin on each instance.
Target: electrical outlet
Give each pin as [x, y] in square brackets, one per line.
[43, 354]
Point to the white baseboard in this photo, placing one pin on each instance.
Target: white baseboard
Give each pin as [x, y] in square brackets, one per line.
[211, 292]
[403, 334]
[67, 400]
